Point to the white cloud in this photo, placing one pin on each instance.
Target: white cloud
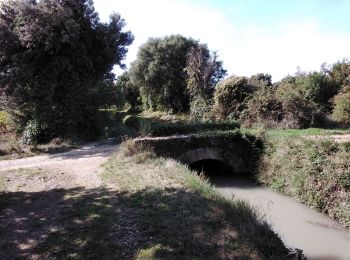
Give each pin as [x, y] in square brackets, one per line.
[245, 49]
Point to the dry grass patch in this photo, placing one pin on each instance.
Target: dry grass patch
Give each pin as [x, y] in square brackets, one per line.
[177, 214]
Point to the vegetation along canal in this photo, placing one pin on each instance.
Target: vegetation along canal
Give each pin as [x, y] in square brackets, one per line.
[299, 226]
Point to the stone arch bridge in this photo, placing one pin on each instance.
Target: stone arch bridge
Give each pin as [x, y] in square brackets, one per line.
[237, 150]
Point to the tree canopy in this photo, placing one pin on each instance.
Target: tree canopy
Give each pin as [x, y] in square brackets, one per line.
[53, 55]
[159, 72]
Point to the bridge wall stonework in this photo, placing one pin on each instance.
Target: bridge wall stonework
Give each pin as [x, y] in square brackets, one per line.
[235, 150]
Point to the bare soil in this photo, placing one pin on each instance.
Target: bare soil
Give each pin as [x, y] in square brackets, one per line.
[35, 190]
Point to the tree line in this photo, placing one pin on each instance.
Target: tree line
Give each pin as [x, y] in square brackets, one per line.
[56, 71]
[177, 74]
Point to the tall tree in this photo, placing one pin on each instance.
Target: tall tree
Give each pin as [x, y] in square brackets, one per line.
[159, 73]
[204, 71]
[53, 54]
[130, 92]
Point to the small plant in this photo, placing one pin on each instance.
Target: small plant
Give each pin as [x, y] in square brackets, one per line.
[131, 147]
[31, 132]
[5, 122]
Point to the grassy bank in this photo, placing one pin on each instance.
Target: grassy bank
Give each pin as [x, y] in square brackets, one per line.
[315, 172]
[176, 214]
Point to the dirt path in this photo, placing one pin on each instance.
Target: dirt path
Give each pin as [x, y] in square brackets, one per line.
[336, 138]
[77, 168]
[35, 195]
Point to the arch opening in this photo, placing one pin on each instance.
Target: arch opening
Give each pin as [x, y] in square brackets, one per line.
[221, 173]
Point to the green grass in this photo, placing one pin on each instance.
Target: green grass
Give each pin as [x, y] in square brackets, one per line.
[165, 117]
[306, 132]
[295, 133]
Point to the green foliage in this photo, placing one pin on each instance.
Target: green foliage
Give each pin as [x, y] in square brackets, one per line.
[5, 121]
[263, 108]
[130, 93]
[260, 80]
[298, 112]
[284, 106]
[108, 94]
[339, 74]
[132, 121]
[341, 111]
[159, 73]
[314, 172]
[230, 96]
[203, 70]
[54, 56]
[31, 132]
[200, 109]
[155, 128]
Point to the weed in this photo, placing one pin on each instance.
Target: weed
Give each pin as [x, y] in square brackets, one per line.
[314, 172]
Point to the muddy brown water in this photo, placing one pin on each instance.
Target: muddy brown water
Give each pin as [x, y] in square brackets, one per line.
[299, 226]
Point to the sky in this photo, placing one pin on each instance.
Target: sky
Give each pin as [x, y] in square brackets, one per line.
[250, 36]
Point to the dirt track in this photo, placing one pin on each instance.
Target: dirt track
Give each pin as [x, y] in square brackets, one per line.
[77, 168]
[33, 201]
[336, 138]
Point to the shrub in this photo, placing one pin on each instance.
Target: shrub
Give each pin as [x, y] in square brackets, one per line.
[155, 128]
[5, 122]
[298, 112]
[132, 121]
[200, 109]
[283, 107]
[230, 96]
[263, 109]
[31, 132]
[341, 111]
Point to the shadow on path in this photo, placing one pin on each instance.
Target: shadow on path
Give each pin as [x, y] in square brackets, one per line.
[105, 224]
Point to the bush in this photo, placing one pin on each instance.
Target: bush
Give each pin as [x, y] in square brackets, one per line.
[341, 111]
[263, 109]
[283, 107]
[155, 128]
[230, 96]
[5, 122]
[132, 121]
[200, 109]
[31, 132]
[298, 112]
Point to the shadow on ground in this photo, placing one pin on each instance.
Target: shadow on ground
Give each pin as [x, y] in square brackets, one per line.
[105, 224]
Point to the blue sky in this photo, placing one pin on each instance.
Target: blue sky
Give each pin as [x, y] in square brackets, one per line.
[251, 36]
